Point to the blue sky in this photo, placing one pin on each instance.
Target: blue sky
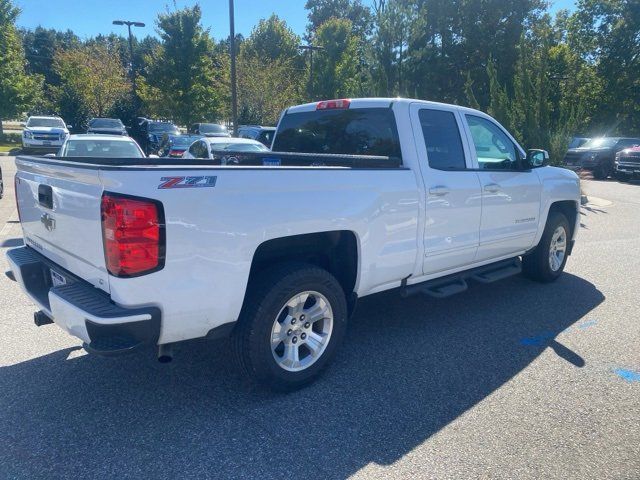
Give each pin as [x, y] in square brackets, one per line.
[90, 17]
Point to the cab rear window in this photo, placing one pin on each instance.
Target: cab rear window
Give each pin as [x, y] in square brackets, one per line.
[358, 131]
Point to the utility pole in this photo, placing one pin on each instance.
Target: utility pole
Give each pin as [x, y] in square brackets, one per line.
[129, 24]
[310, 47]
[232, 48]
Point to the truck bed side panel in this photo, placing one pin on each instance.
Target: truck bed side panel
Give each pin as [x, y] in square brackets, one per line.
[213, 232]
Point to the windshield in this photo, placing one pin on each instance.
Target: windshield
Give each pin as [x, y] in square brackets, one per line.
[212, 128]
[163, 128]
[101, 148]
[45, 122]
[105, 123]
[238, 147]
[601, 142]
[360, 131]
[183, 141]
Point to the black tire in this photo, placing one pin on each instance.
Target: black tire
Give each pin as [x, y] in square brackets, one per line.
[600, 172]
[266, 297]
[536, 265]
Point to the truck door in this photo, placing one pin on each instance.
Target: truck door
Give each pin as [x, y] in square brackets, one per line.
[510, 191]
[453, 194]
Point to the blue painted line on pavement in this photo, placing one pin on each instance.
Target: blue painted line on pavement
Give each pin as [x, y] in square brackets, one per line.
[587, 324]
[627, 375]
[538, 339]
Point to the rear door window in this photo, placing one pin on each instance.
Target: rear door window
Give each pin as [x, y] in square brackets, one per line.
[442, 139]
[358, 131]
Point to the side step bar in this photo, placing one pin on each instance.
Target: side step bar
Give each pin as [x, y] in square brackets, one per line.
[457, 282]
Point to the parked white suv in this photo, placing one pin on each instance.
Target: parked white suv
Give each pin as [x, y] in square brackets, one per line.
[45, 133]
[274, 249]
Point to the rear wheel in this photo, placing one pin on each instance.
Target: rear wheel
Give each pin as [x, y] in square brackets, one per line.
[292, 323]
[546, 263]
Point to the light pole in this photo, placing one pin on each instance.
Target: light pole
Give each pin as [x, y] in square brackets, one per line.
[232, 53]
[310, 47]
[129, 24]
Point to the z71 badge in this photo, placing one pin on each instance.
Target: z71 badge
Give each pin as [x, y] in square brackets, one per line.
[187, 182]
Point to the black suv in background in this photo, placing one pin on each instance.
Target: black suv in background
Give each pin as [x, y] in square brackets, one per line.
[106, 126]
[598, 155]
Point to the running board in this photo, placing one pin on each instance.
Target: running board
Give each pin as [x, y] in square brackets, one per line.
[457, 282]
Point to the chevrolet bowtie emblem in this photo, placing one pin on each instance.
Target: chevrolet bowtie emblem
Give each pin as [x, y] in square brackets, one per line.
[48, 221]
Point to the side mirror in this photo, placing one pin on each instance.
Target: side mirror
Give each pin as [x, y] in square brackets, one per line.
[23, 124]
[69, 127]
[537, 158]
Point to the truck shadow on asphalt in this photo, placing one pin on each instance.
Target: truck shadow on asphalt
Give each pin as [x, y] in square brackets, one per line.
[406, 370]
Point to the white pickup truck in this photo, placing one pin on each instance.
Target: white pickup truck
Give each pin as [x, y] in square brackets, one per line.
[275, 248]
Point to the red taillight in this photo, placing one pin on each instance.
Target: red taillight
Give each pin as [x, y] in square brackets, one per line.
[333, 104]
[133, 235]
[16, 181]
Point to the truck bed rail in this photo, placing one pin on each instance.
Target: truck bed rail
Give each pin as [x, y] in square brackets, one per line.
[240, 159]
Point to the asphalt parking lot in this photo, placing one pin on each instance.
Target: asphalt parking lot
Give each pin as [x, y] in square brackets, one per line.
[508, 380]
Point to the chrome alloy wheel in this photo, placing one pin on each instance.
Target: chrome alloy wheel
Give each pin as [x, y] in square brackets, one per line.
[558, 248]
[301, 331]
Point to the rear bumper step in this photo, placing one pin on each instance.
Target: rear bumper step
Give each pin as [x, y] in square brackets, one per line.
[456, 283]
[81, 309]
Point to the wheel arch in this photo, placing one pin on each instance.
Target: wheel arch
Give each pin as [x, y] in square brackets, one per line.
[336, 251]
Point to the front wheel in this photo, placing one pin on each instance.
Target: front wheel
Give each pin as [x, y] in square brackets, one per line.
[292, 323]
[546, 263]
[601, 172]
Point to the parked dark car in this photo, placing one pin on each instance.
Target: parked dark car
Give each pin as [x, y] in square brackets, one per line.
[209, 130]
[257, 132]
[106, 126]
[178, 144]
[157, 134]
[598, 155]
[628, 164]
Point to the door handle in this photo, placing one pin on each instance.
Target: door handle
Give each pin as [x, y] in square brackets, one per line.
[492, 188]
[438, 190]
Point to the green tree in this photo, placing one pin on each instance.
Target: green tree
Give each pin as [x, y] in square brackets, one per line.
[92, 77]
[270, 72]
[272, 39]
[353, 10]
[607, 35]
[18, 90]
[336, 68]
[392, 29]
[179, 80]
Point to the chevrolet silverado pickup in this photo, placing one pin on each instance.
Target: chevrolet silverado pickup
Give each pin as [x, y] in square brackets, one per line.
[273, 249]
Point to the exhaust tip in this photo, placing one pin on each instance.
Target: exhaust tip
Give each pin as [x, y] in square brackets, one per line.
[165, 353]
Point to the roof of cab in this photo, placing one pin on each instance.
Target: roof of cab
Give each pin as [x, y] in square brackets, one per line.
[379, 103]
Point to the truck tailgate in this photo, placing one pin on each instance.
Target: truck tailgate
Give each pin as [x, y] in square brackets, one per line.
[59, 208]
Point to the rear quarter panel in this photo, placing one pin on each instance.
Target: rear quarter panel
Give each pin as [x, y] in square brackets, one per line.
[213, 233]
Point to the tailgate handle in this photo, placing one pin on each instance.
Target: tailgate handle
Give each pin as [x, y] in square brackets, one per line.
[45, 196]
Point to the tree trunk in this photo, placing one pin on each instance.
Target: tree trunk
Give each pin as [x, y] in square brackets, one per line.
[1, 130]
